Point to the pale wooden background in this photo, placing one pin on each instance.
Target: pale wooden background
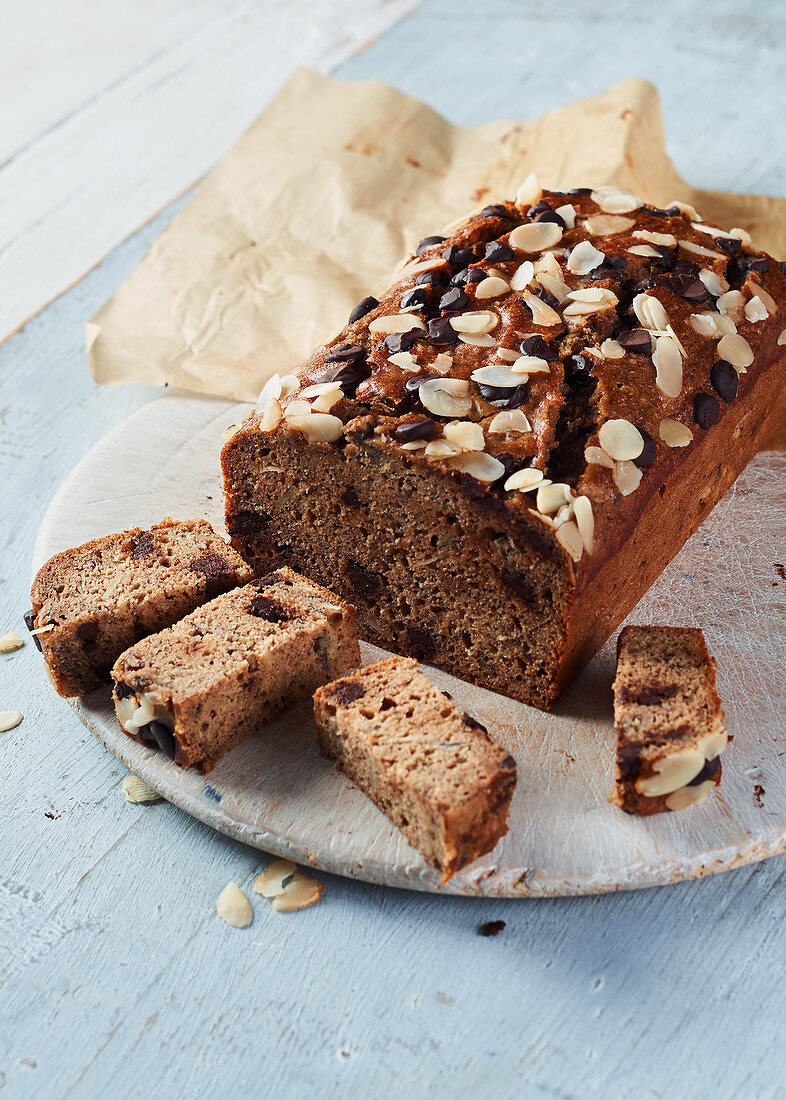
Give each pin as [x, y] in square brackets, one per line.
[116, 978]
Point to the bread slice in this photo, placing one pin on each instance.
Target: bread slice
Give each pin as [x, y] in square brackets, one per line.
[496, 459]
[431, 768]
[92, 602]
[201, 687]
[669, 721]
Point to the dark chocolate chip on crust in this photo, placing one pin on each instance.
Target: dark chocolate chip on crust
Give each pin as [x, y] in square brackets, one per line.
[412, 430]
[453, 299]
[536, 345]
[427, 242]
[345, 353]
[496, 210]
[262, 607]
[347, 691]
[143, 545]
[724, 379]
[441, 333]
[649, 451]
[266, 580]
[706, 410]
[636, 340]
[395, 342]
[456, 256]
[498, 252]
[417, 296]
[362, 308]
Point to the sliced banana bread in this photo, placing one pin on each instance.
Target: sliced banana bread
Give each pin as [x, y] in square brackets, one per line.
[201, 687]
[92, 602]
[429, 766]
[669, 722]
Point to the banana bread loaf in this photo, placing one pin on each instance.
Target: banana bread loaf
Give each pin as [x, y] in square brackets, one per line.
[92, 602]
[429, 766]
[669, 722]
[497, 459]
[201, 687]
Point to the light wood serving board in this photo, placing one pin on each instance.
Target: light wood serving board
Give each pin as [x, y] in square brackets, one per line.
[275, 792]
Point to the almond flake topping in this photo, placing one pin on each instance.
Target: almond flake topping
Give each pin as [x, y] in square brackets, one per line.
[589, 300]
[621, 440]
[627, 477]
[673, 433]
[416, 266]
[492, 287]
[667, 239]
[300, 892]
[542, 314]
[479, 465]
[704, 323]
[395, 322]
[508, 355]
[529, 192]
[530, 364]
[522, 276]
[700, 250]
[271, 417]
[782, 339]
[446, 396]
[276, 388]
[318, 427]
[465, 434]
[742, 235]
[568, 214]
[406, 360]
[755, 310]
[554, 285]
[526, 479]
[495, 376]
[584, 258]
[606, 225]
[326, 395]
[443, 363]
[714, 282]
[736, 350]
[582, 512]
[685, 208]
[613, 200]
[731, 304]
[552, 496]
[767, 298]
[509, 420]
[535, 236]
[713, 231]
[569, 536]
[480, 340]
[441, 448]
[642, 250]
[611, 349]
[595, 456]
[297, 408]
[667, 361]
[479, 323]
[650, 312]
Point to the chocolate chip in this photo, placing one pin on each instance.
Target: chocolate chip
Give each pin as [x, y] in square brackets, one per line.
[508, 461]
[365, 582]
[732, 246]
[418, 296]
[536, 345]
[724, 379]
[447, 694]
[143, 545]
[441, 333]
[427, 242]
[350, 498]
[686, 286]
[656, 212]
[613, 268]
[427, 278]
[454, 299]
[218, 573]
[540, 207]
[410, 430]
[347, 691]
[512, 398]
[493, 927]
[343, 353]
[362, 308]
[156, 733]
[578, 366]
[636, 340]
[262, 607]
[496, 210]
[472, 723]
[551, 216]
[29, 618]
[706, 410]
[498, 252]
[782, 266]
[349, 376]
[579, 191]
[665, 255]
[456, 256]
[709, 770]
[516, 583]
[123, 690]
[422, 641]
[402, 341]
[266, 581]
[648, 455]
[88, 632]
[754, 263]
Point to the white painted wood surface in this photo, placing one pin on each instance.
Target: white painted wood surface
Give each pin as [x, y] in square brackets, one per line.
[277, 793]
[112, 110]
[116, 978]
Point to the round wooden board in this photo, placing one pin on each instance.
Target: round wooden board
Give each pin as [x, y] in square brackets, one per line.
[275, 792]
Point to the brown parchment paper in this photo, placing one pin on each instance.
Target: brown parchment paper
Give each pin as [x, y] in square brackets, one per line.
[320, 199]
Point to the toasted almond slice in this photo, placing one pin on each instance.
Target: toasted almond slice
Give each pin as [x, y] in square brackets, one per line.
[673, 433]
[270, 882]
[501, 376]
[492, 287]
[704, 323]
[478, 464]
[650, 312]
[627, 477]
[530, 364]
[465, 434]
[395, 322]
[700, 250]
[442, 448]
[767, 298]
[568, 215]
[535, 236]
[271, 417]
[611, 349]
[642, 250]
[9, 719]
[542, 314]
[551, 497]
[522, 276]
[528, 478]
[529, 192]
[742, 235]
[479, 322]
[782, 339]
[613, 200]
[318, 427]
[300, 892]
[569, 536]
[447, 397]
[684, 208]
[596, 456]
[405, 360]
[755, 309]
[234, 907]
[585, 521]
[477, 340]
[584, 258]
[137, 791]
[11, 641]
[731, 303]
[668, 366]
[621, 440]
[607, 225]
[416, 266]
[714, 282]
[736, 350]
[509, 420]
[508, 355]
[667, 239]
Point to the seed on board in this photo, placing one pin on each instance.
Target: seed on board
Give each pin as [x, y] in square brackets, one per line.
[300, 892]
[11, 641]
[271, 882]
[234, 907]
[137, 791]
[9, 719]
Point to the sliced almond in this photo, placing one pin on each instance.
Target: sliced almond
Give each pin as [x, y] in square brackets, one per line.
[613, 200]
[525, 479]
[500, 376]
[668, 366]
[522, 276]
[299, 893]
[755, 309]
[318, 427]
[542, 314]
[137, 791]
[11, 641]
[509, 420]
[535, 236]
[611, 349]
[271, 417]
[568, 215]
[442, 448]
[492, 287]
[700, 250]
[666, 239]
[529, 192]
[627, 477]
[554, 285]
[767, 299]
[234, 907]
[395, 322]
[589, 300]
[736, 350]
[585, 521]
[704, 323]
[782, 339]
[621, 440]
[606, 225]
[551, 497]
[690, 796]
[673, 433]
[508, 355]
[595, 456]
[477, 340]
[480, 322]
[650, 312]
[447, 397]
[415, 267]
[465, 434]
[479, 465]
[270, 882]
[684, 208]
[731, 303]
[569, 536]
[9, 719]
[530, 364]
[584, 258]
[742, 235]
[405, 360]
[714, 282]
[643, 250]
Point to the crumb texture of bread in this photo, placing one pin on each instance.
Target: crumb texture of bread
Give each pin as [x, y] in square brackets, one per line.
[96, 600]
[496, 459]
[431, 768]
[199, 688]
[668, 718]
